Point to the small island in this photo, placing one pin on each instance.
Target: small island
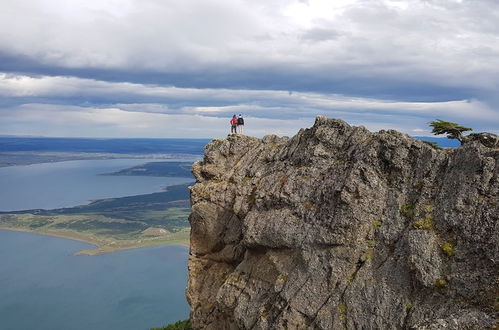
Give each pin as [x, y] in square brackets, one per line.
[165, 168]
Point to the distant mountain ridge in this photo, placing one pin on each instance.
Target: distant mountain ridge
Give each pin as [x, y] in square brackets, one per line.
[145, 146]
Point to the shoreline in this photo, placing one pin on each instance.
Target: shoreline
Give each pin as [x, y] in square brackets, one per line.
[114, 223]
[99, 248]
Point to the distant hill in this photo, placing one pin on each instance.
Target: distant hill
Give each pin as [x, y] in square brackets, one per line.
[120, 146]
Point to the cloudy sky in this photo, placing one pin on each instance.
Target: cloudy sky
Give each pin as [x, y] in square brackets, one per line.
[181, 68]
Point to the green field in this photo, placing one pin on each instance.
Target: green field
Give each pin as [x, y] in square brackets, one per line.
[115, 223]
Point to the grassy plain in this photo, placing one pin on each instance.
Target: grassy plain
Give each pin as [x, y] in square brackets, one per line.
[115, 223]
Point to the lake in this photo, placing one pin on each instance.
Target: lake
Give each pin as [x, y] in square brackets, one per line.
[71, 183]
[45, 287]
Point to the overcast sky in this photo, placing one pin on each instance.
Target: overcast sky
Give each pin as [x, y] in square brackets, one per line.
[181, 68]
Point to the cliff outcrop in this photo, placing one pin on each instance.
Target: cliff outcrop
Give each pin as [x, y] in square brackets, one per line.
[342, 228]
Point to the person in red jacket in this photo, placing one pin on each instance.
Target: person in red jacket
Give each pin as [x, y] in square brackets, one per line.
[233, 125]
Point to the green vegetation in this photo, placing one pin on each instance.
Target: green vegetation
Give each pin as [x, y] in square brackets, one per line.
[342, 307]
[408, 306]
[115, 223]
[440, 283]
[265, 311]
[393, 132]
[180, 325]
[448, 248]
[428, 208]
[282, 278]
[453, 130]
[425, 223]
[368, 255]
[376, 223]
[308, 205]
[408, 210]
[434, 145]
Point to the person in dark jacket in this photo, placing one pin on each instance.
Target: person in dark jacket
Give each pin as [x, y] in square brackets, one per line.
[233, 125]
[240, 124]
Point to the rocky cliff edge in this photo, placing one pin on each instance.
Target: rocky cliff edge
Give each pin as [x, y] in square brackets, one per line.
[342, 228]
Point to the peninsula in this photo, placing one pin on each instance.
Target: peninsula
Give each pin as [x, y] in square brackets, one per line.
[118, 223]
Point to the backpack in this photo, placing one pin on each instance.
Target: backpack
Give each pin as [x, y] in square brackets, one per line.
[240, 121]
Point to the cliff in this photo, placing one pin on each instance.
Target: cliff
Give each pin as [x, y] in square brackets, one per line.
[339, 227]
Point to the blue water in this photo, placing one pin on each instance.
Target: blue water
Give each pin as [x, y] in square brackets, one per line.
[71, 183]
[441, 141]
[44, 286]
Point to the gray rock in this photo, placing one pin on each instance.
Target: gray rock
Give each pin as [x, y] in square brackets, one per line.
[338, 227]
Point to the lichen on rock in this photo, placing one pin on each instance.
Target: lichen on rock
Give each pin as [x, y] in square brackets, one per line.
[338, 227]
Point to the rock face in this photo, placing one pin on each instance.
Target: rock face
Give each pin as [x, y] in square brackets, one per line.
[341, 228]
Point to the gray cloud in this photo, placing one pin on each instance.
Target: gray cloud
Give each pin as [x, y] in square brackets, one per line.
[394, 60]
[33, 101]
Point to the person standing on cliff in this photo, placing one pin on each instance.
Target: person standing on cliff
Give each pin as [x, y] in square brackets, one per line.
[233, 125]
[240, 124]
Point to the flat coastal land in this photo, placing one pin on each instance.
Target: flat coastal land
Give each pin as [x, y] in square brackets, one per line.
[118, 223]
[28, 157]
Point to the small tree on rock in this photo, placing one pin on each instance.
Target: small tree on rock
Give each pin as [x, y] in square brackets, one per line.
[453, 130]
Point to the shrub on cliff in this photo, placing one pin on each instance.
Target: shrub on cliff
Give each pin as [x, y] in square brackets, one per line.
[180, 325]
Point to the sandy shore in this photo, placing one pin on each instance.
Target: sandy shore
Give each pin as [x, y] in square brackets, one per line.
[108, 245]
